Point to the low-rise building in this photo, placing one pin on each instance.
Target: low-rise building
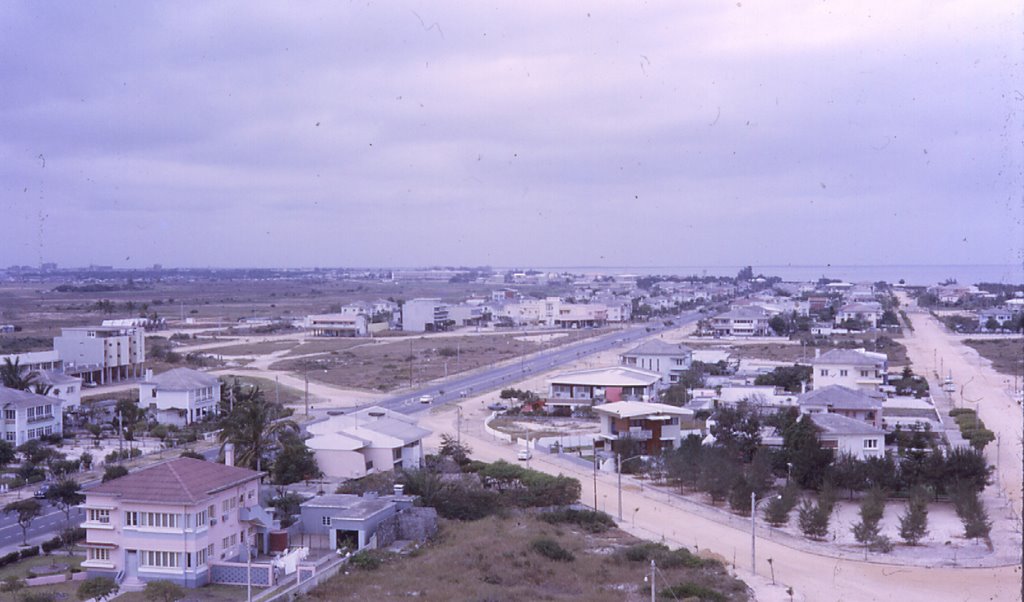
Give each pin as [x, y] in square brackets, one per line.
[425, 315]
[350, 324]
[655, 426]
[868, 313]
[63, 386]
[366, 441]
[181, 396]
[599, 385]
[669, 360]
[741, 322]
[845, 435]
[851, 368]
[102, 354]
[851, 403]
[173, 521]
[354, 522]
[29, 416]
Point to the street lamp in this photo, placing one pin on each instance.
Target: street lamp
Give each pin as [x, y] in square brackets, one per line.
[618, 469]
[753, 515]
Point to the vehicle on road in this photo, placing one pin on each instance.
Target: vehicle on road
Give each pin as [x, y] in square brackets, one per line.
[497, 407]
[524, 454]
[426, 399]
[40, 493]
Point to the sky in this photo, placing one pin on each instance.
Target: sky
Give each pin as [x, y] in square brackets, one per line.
[511, 134]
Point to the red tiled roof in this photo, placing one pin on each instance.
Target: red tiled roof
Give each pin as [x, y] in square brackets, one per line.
[178, 481]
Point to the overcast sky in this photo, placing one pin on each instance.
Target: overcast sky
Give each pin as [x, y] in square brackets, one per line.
[544, 133]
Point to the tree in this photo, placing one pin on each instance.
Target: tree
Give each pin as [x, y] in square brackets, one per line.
[776, 512]
[27, 510]
[914, 523]
[295, 462]
[99, 588]
[191, 453]
[803, 450]
[972, 512]
[114, 472]
[992, 324]
[7, 453]
[452, 448]
[867, 531]
[85, 460]
[848, 472]
[254, 426]
[813, 519]
[65, 494]
[738, 430]
[14, 375]
[746, 273]
[790, 378]
[162, 590]
[683, 464]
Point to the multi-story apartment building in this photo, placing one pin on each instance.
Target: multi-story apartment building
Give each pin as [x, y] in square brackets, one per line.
[181, 396]
[741, 322]
[102, 354]
[172, 521]
[29, 416]
[425, 315]
[867, 312]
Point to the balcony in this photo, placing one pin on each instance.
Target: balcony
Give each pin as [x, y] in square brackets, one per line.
[634, 433]
[42, 418]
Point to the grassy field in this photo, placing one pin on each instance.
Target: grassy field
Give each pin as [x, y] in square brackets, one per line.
[42, 565]
[496, 559]
[260, 348]
[271, 389]
[210, 593]
[1006, 355]
[388, 364]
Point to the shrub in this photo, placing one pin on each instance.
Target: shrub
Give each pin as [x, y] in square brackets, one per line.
[29, 552]
[9, 558]
[690, 589]
[552, 550]
[368, 560]
[590, 521]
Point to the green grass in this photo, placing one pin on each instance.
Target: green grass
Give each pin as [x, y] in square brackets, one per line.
[269, 388]
[22, 567]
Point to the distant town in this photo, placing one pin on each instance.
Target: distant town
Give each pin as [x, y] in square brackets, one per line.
[264, 433]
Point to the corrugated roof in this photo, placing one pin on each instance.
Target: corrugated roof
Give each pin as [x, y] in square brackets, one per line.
[836, 424]
[182, 379]
[659, 347]
[178, 481]
[840, 398]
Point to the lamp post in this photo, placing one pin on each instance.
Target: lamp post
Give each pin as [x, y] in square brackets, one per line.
[753, 537]
[618, 468]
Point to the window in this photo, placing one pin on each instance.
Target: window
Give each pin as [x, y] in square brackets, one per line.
[201, 557]
[224, 543]
[9, 436]
[10, 414]
[200, 518]
[131, 519]
[159, 520]
[234, 539]
[865, 373]
[153, 392]
[252, 492]
[209, 550]
[101, 554]
[224, 507]
[824, 372]
[232, 503]
[842, 372]
[99, 515]
[159, 559]
[871, 444]
[326, 521]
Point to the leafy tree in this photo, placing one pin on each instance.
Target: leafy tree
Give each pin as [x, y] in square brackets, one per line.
[683, 464]
[162, 590]
[813, 520]
[739, 495]
[295, 462]
[889, 318]
[191, 453]
[803, 449]
[85, 460]
[254, 425]
[867, 531]
[35, 452]
[914, 523]
[99, 588]
[452, 448]
[779, 325]
[27, 510]
[790, 378]
[972, 512]
[848, 472]
[718, 472]
[7, 453]
[738, 430]
[65, 495]
[14, 375]
[966, 466]
[114, 472]
[992, 324]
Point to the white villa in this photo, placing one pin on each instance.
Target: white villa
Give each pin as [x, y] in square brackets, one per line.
[181, 396]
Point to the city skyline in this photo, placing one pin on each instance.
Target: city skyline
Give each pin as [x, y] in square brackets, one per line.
[577, 135]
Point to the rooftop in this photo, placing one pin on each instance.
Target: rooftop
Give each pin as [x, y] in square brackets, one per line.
[21, 399]
[178, 481]
[835, 424]
[635, 409]
[350, 506]
[849, 357]
[840, 398]
[182, 379]
[659, 347]
[619, 376]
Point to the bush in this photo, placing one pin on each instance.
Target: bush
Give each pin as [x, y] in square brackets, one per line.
[368, 560]
[9, 558]
[52, 544]
[590, 521]
[552, 550]
[29, 552]
[689, 590]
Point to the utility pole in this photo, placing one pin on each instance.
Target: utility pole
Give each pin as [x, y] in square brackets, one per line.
[595, 479]
[654, 568]
[305, 377]
[618, 465]
[120, 435]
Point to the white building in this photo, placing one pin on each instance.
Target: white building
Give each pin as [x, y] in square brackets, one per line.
[344, 324]
[599, 385]
[181, 396]
[65, 387]
[102, 354]
[425, 315]
[667, 359]
[370, 440]
[869, 312]
[849, 436]
[29, 416]
[855, 404]
[851, 368]
[741, 322]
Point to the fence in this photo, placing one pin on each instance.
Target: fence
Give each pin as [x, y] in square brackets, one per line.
[234, 573]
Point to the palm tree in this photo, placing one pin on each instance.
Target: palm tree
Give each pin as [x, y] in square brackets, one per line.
[254, 426]
[14, 375]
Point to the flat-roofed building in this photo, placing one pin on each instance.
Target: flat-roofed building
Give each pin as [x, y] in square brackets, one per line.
[102, 354]
[343, 324]
[655, 426]
[425, 315]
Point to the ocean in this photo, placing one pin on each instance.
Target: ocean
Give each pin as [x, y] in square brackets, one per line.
[911, 274]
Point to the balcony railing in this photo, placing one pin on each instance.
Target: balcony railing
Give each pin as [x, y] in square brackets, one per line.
[635, 434]
[40, 418]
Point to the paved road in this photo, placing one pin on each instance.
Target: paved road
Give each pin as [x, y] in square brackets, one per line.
[50, 523]
[512, 372]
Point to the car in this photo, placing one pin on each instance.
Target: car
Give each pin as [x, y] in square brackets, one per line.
[524, 454]
[40, 493]
[497, 407]
[426, 399]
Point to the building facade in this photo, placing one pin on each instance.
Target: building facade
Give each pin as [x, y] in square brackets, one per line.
[425, 315]
[667, 359]
[29, 416]
[181, 396]
[102, 354]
